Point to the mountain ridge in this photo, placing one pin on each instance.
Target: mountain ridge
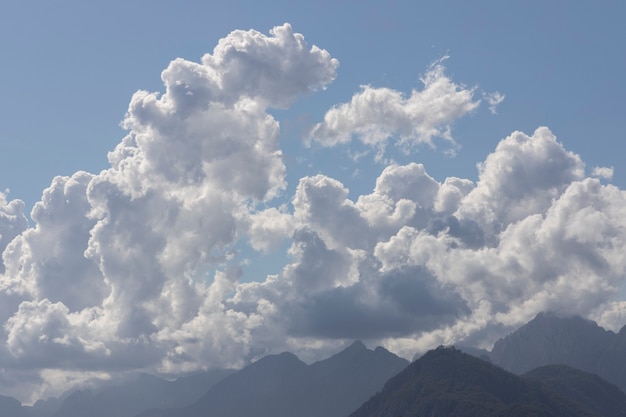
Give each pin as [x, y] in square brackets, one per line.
[447, 382]
[332, 387]
[544, 349]
[549, 339]
[587, 389]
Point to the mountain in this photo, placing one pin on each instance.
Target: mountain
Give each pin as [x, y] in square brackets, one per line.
[447, 382]
[612, 366]
[284, 386]
[583, 388]
[143, 392]
[10, 407]
[45, 408]
[477, 352]
[349, 378]
[552, 340]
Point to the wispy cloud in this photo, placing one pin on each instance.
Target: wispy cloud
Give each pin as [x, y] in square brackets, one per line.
[494, 99]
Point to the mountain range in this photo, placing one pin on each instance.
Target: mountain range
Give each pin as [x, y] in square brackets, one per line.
[284, 386]
[551, 366]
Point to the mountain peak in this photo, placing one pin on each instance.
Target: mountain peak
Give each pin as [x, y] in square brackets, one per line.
[356, 346]
[554, 317]
[446, 382]
[283, 386]
[555, 339]
[380, 349]
[284, 360]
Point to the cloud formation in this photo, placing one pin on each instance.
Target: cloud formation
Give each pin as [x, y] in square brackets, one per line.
[136, 267]
[122, 264]
[12, 222]
[377, 115]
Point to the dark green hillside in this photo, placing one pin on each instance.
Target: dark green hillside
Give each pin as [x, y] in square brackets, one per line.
[584, 388]
[446, 382]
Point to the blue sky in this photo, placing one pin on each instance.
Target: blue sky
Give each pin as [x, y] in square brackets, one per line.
[301, 185]
[71, 68]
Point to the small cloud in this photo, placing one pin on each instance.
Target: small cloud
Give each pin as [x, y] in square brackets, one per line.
[494, 99]
[376, 116]
[603, 172]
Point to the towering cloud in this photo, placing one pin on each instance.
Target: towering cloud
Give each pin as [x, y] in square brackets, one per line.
[136, 267]
[122, 264]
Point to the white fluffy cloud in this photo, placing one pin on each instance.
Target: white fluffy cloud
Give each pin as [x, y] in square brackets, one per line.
[376, 115]
[124, 267]
[136, 268]
[424, 263]
[522, 177]
[12, 222]
[417, 262]
[603, 172]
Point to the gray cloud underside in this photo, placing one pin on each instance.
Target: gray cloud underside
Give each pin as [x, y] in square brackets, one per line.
[133, 268]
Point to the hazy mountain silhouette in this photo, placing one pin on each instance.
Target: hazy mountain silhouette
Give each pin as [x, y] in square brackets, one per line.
[10, 407]
[284, 386]
[447, 382]
[550, 340]
[138, 394]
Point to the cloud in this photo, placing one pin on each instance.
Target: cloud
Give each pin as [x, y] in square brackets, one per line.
[603, 172]
[494, 99]
[12, 222]
[402, 301]
[522, 177]
[612, 316]
[402, 195]
[248, 64]
[376, 115]
[418, 263]
[269, 228]
[123, 268]
[46, 261]
[137, 267]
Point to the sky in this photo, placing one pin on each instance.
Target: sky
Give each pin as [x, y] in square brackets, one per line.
[187, 185]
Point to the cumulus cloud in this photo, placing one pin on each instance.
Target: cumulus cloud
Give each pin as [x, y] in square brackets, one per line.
[269, 228]
[12, 222]
[123, 266]
[376, 115]
[418, 263]
[522, 177]
[136, 267]
[47, 262]
[603, 172]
